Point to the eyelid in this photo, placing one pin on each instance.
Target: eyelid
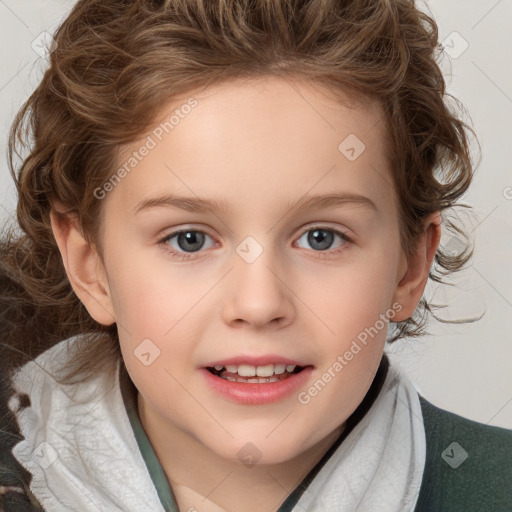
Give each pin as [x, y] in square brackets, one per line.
[184, 228]
[325, 225]
[172, 234]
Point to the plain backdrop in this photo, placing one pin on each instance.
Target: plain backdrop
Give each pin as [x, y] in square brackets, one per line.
[465, 368]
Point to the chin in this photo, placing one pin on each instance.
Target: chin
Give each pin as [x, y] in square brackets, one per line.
[257, 450]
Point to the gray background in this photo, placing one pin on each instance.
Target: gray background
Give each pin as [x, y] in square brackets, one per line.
[463, 368]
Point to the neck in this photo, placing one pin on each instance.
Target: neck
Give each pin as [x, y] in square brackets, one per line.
[203, 481]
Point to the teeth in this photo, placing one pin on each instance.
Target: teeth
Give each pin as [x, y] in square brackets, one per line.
[247, 370]
[265, 371]
[257, 380]
[279, 369]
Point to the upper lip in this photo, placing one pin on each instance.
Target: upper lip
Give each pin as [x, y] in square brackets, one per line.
[254, 361]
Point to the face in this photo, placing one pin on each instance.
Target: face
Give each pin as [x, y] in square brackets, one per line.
[260, 232]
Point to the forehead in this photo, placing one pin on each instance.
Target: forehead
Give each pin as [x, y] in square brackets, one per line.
[284, 138]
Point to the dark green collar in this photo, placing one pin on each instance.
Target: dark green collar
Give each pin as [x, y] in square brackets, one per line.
[129, 394]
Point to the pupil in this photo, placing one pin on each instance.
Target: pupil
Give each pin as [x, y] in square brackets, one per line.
[190, 240]
[321, 236]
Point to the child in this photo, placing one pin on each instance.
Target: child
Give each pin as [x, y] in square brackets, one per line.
[307, 150]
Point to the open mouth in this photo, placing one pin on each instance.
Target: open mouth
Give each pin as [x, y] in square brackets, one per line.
[255, 374]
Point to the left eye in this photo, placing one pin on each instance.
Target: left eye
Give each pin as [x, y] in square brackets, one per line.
[321, 239]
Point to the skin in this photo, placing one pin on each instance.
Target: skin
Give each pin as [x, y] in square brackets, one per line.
[257, 145]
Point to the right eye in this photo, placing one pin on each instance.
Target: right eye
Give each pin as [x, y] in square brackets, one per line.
[179, 243]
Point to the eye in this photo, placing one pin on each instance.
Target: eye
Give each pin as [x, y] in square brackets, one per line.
[321, 238]
[184, 243]
[179, 243]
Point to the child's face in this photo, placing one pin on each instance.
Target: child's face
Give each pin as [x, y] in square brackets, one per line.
[258, 149]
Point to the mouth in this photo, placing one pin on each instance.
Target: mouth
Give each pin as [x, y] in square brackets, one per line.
[256, 379]
[250, 374]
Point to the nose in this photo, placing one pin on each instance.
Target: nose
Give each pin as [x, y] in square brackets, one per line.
[258, 294]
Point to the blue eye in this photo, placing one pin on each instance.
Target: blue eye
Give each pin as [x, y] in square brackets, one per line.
[184, 243]
[322, 238]
[188, 241]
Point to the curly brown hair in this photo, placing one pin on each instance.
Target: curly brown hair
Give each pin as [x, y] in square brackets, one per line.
[115, 63]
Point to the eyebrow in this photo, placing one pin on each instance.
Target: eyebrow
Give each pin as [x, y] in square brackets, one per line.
[200, 205]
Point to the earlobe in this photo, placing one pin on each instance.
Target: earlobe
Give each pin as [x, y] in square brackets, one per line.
[84, 267]
[414, 279]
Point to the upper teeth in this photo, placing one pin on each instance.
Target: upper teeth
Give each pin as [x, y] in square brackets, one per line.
[247, 370]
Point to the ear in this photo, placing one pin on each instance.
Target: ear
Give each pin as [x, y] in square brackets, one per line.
[414, 270]
[84, 267]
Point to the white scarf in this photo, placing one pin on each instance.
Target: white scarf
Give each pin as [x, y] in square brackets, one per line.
[82, 454]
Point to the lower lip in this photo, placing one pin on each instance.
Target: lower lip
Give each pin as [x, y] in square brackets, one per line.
[258, 393]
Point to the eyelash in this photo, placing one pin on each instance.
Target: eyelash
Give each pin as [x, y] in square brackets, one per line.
[186, 256]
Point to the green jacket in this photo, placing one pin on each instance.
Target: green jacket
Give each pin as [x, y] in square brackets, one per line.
[482, 482]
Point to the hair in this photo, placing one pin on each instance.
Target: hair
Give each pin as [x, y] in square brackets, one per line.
[115, 63]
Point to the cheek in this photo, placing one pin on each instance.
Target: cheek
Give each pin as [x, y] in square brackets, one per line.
[159, 313]
[349, 298]
[150, 298]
